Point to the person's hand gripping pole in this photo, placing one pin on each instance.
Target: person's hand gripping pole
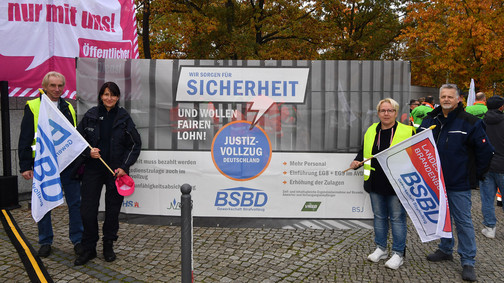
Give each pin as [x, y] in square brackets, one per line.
[95, 153]
[356, 164]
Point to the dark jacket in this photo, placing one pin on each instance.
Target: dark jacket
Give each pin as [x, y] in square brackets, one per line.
[28, 132]
[124, 143]
[494, 120]
[460, 140]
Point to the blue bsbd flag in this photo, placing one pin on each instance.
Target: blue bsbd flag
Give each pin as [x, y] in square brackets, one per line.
[58, 143]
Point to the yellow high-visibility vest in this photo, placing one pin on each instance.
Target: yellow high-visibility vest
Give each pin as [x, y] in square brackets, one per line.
[34, 105]
[402, 132]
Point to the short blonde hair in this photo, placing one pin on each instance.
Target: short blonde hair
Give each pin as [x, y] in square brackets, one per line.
[45, 80]
[389, 100]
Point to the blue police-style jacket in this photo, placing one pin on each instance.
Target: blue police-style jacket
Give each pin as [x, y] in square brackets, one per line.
[461, 140]
[124, 145]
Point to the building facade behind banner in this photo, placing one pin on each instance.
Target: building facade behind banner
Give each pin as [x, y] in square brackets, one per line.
[253, 138]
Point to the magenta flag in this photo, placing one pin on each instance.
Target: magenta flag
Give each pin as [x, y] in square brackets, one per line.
[42, 36]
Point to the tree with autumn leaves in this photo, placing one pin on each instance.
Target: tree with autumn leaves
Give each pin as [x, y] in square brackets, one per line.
[454, 41]
[446, 41]
[359, 30]
[228, 29]
[263, 30]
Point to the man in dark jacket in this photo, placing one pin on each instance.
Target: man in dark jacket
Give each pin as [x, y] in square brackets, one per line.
[460, 140]
[53, 84]
[494, 179]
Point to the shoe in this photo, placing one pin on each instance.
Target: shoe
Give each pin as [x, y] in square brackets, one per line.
[468, 273]
[377, 255]
[86, 256]
[488, 232]
[78, 249]
[108, 251]
[394, 262]
[438, 255]
[44, 251]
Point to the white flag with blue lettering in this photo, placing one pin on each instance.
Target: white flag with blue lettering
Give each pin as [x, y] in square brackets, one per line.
[58, 143]
[414, 171]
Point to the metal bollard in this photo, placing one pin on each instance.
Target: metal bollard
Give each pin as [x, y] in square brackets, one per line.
[186, 231]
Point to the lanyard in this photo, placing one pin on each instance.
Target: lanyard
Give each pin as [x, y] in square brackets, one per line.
[379, 138]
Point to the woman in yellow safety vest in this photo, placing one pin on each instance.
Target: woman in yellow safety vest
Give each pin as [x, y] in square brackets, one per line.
[386, 205]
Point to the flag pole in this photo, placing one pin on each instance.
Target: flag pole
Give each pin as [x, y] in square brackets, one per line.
[103, 161]
[90, 147]
[362, 162]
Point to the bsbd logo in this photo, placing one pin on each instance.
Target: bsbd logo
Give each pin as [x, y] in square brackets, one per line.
[241, 197]
[424, 196]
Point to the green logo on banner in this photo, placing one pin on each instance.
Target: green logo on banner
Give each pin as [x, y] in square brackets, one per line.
[311, 206]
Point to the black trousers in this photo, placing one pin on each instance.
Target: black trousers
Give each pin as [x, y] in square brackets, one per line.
[92, 184]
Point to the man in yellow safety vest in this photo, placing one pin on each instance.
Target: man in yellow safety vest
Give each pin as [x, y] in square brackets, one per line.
[53, 84]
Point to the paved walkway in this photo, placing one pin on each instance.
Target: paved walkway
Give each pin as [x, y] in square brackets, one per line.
[148, 253]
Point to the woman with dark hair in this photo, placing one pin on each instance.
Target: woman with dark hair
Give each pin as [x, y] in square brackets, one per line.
[113, 137]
